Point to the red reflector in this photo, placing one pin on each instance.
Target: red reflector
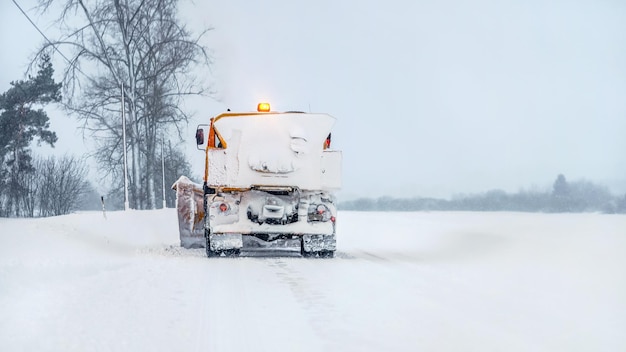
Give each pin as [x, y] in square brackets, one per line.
[332, 218]
[223, 207]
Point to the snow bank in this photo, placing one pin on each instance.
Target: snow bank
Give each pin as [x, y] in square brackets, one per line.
[400, 282]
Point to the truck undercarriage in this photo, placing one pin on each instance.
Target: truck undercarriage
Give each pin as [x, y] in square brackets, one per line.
[283, 221]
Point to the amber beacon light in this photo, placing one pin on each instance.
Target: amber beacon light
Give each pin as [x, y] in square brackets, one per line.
[263, 107]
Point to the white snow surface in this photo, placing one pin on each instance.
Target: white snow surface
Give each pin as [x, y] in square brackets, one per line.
[440, 281]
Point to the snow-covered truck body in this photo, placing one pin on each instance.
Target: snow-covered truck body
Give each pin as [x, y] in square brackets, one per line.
[268, 185]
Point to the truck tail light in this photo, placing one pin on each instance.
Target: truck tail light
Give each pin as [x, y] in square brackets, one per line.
[319, 212]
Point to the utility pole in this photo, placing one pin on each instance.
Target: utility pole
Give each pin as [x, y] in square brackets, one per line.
[126, 203]
[163, 171]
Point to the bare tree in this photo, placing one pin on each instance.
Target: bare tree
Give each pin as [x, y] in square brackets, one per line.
[90, 198]
[175, 166]
[29, 184]
[4, 209]
[62, 185]
[141, 48]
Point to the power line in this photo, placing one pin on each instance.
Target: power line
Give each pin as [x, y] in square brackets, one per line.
[40, 32]
[54, 46]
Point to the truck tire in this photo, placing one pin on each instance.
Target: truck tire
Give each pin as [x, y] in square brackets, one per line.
[320, 254]
[327, 254]
[231, 252]
[209, 252]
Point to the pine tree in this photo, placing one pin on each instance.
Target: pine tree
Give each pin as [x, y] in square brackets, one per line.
[21, 120]
[561, 195]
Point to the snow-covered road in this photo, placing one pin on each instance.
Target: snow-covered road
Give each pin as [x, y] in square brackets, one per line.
[400, 282]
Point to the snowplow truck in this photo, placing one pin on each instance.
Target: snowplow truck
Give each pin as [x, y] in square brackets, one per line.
[269, 179]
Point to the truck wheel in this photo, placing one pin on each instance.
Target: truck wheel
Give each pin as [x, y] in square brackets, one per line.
[209, 252]
[231, 252]
[327, 254]
[320, 254]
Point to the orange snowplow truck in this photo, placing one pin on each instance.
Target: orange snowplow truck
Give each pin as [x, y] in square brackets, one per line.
[269, 179]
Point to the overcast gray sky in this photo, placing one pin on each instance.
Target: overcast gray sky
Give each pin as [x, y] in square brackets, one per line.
[432, 98]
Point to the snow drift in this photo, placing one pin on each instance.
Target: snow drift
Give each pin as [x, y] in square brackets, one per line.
[400, 282]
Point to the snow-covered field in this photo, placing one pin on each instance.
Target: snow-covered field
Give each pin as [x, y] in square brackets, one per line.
[440, 281]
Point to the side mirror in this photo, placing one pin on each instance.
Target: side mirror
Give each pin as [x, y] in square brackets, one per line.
[199, 137]
[201, 134]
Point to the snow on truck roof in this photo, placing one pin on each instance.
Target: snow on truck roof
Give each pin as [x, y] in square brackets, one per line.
[309, 127]
[273, 149]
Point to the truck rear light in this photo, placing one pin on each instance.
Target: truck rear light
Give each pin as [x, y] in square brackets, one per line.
[223, 207]
[319, 212]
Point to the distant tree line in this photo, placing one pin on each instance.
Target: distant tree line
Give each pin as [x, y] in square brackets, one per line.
[52, 186]
[35, 186]
[134, 58]
[577, 196]
[143, 62]
[176, 164]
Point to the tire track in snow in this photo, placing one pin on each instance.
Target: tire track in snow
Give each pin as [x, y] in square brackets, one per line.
[223, 295]
[203, 327]
[310, 295]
